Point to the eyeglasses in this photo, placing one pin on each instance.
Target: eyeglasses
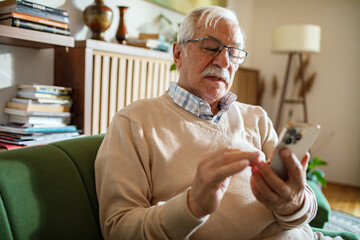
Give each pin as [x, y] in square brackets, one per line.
[213, 47]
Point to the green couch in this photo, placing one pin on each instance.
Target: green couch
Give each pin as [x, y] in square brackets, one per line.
[48, 192]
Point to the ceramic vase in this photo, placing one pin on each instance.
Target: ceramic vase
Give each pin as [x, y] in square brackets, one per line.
[98, 18]
[121, 33]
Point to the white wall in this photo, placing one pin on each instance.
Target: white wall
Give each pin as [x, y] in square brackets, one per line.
[244, 10]
[334, 100]
[140, 14]
[25, 65]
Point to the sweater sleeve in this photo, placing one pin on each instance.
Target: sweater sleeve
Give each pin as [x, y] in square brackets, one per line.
[269, 137]
[124, 188]
[303, 215]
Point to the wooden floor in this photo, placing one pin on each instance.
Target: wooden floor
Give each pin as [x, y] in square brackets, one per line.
[343, 198]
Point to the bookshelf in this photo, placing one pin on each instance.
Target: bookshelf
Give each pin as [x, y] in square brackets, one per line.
[20, 37]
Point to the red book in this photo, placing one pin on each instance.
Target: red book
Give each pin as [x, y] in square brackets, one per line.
[7, 146]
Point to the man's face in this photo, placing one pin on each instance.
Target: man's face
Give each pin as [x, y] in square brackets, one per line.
[208, 77]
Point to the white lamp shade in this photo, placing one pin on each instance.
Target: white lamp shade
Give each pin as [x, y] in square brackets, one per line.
[296, 38]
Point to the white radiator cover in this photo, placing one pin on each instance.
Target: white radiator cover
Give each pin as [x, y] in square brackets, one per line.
[119, 80]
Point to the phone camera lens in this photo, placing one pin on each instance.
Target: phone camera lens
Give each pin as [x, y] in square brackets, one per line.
[288, 140]
[298, 136]
[292, 131]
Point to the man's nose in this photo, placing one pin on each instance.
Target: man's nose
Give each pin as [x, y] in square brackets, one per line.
[222, 60]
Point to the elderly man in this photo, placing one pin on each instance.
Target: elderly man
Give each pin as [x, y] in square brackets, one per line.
[192, 163]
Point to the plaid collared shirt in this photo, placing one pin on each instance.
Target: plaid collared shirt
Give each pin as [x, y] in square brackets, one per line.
[196, 105]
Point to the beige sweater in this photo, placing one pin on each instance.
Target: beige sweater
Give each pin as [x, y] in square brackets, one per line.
[148, 160]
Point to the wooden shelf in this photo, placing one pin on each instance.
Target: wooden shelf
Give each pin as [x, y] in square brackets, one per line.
[20, 37]
[122, 49]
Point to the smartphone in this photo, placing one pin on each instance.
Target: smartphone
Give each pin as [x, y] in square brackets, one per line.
[298, 137]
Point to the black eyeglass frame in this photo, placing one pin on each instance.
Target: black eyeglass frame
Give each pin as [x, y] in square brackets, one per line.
[219, 50]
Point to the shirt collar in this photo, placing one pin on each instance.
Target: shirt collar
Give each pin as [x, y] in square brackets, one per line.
[196, 105]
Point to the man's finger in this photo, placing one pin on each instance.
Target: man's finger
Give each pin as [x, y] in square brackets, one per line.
[272, 180]
[264, 191]
[305, 160]
[240, 155]
[293, 165]
[225, 171]
[226, 156]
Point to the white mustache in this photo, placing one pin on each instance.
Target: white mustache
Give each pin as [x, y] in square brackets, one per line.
[213, 70]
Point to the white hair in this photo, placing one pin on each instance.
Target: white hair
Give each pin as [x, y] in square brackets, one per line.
[213, 15]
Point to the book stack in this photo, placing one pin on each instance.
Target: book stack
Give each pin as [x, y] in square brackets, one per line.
[150, 41]
[26, 14]
[39, 114]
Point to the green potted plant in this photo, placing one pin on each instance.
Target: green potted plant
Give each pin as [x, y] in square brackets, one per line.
[315, 174]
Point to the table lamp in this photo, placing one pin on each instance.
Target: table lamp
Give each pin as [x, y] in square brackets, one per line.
[295, 40]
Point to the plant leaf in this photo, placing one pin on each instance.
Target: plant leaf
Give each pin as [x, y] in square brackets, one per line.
[305, 65]
[308, 85]
[320, 178]
[173, 67]
[318, 162]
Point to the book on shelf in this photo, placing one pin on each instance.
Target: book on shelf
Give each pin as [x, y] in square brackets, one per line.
[25, 97]
[36, 139]
[19, 112]
[45, 101]
[14, 22]
[24, 128]
[37, 107]
[59, 90]
[154, 44]
[36, 136]
[149, 36]
[49, 89]
[46, 118]
[59, 15]
[38, 96]
[41, 125]
[59, 121]
[34, 19]
[7, 146]
[42, 120]
[20, 137]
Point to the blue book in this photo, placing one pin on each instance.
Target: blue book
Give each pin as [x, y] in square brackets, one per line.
[18, 128]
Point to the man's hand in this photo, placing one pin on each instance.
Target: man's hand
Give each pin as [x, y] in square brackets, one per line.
[281, 197]
[213, 177]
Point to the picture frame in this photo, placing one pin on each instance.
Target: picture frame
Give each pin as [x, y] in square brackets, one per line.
[186, 6]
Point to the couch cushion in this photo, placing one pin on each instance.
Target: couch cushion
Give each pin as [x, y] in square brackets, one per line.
[83, 154]
[43, 196]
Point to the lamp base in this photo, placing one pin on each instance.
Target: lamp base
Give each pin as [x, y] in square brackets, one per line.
[289, 101]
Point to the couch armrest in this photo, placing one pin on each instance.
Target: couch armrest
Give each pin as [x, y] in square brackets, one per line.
[324, 210]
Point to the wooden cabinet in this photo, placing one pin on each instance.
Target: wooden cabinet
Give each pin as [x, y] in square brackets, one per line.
[245, 85]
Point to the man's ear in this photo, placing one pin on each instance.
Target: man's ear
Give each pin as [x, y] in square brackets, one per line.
[177, 49]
